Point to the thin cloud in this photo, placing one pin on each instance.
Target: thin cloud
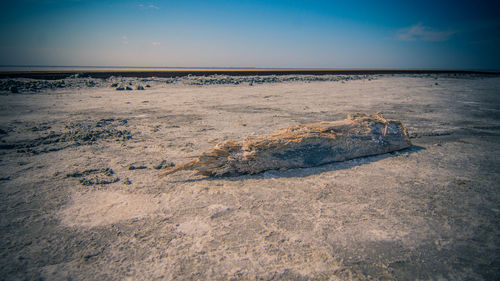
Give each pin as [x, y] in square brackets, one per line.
[150, 6]
[420, 32]
[156, 43]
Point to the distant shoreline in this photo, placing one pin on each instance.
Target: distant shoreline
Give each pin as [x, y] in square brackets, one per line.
[54, 73]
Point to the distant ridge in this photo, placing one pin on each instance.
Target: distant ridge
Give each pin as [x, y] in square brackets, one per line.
[61, 72]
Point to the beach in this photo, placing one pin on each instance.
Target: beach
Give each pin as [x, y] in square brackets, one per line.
[81, 196]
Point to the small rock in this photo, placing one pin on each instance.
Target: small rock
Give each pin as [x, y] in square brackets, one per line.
[97, 180]
[114, 85]
[107, 171]
[132, 167]
[120, 88]
[80, 75]
[140, 88]
[163, 164]
[128, 88]
[127, 182]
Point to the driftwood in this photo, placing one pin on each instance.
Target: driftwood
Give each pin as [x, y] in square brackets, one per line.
[302, 146]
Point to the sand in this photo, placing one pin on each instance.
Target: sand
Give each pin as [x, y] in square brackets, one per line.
[81, 196]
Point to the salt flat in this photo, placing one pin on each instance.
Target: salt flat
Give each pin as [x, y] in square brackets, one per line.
[81, 196]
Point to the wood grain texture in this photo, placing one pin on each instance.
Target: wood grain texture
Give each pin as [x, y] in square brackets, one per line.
[302, 146]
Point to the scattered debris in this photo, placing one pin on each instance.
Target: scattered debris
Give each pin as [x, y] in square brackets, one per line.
[95, 176]
[75, 134]
[79, 80]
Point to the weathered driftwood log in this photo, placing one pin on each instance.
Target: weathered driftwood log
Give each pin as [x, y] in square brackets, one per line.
[302, 146]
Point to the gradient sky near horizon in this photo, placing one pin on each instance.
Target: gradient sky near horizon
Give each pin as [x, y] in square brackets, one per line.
[222, 33]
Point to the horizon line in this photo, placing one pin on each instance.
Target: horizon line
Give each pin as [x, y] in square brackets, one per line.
[80, 67]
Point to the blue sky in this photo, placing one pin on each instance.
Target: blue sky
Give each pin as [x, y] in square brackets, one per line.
[303, 34]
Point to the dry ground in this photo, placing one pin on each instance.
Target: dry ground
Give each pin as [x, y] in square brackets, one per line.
[81, 197]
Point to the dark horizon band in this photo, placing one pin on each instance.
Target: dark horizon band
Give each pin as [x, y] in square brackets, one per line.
[167, 73]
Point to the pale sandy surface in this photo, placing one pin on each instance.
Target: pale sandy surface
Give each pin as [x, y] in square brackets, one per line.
[86, 202]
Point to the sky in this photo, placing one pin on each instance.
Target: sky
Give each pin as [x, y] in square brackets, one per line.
[267, 34]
